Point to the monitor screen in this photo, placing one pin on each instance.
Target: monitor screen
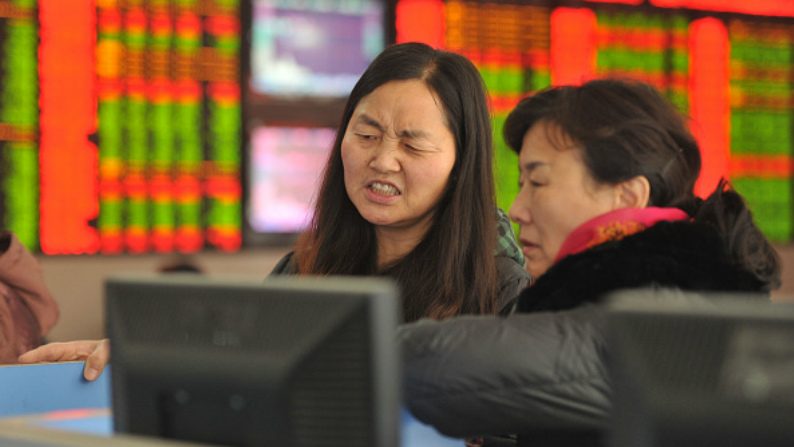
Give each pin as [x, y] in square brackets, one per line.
[695, 370]
[285, 170]
[313, 48]
[287, 362]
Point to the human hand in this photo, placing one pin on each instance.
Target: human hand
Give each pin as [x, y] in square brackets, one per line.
[96, 354]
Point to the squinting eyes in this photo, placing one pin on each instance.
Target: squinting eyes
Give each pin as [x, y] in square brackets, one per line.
[532, 183]
[370, 138]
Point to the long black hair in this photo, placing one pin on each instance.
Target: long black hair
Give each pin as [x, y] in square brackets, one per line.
[452, 270]
[627, 129]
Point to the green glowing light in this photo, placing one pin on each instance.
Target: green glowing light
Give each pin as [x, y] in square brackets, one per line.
[771, 203]
[761, 132]
[225, 133]
[19, 108]
[162, 135]
[505, 167]
[112, 215]
[163, 214]
[229, 45]
[187, 134]
[762, 54]
[189, 214]
[224, 214]
[503, 80]
[110, 129]
[624, 59]
[21, 183]
[540, 80]
[136, 132]
[137, 213]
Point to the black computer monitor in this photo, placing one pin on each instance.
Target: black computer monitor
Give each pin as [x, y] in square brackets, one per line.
[701, 370]
[285, 362]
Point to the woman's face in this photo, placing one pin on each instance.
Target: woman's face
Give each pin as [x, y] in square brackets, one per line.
[398, 154]
[557, 194]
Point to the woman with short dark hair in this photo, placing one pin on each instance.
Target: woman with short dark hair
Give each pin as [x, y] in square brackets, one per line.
[606, 202]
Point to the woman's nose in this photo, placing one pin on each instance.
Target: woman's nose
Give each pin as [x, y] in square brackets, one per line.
[519, 210]
[385, 158]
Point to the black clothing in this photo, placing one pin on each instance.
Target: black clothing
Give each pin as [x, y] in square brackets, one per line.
[509, 264]
[544, 367]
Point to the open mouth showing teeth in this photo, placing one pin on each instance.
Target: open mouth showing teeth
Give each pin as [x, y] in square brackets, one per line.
[384, 189]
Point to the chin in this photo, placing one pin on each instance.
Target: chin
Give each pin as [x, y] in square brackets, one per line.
[536, 270]
[379, 223]
[376, 219]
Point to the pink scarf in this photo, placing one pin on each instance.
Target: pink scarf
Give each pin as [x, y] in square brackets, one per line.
[615, 225]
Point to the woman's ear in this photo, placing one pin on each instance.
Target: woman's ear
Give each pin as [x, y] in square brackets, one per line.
[634, 193]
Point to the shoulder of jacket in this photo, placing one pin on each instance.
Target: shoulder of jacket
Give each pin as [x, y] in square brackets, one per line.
[506, 244]
[286, 265]
[513, 279]
[672, 254]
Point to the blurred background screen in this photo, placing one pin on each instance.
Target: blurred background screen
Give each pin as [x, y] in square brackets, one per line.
[304, 59]
[313, 48]
[284, 173]
[160, 126]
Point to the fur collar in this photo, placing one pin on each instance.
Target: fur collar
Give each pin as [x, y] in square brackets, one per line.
[680, 254]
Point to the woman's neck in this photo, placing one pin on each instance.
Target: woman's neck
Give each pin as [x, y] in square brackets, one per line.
[395, 243]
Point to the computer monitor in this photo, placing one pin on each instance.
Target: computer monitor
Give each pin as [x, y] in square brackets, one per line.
[698, 370]
[285, 362]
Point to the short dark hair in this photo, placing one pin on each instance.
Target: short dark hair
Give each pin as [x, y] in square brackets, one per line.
[453, 269]
[623, 128]
[626, 129]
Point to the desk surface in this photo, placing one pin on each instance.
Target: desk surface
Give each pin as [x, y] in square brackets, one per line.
[31, 389]
[55, 396]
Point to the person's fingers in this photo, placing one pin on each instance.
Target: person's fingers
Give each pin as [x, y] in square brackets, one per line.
[59, 352]
[96, 362]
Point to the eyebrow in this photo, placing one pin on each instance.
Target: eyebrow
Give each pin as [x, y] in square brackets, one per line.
[532, 165]
[369, 121]
[412, 134]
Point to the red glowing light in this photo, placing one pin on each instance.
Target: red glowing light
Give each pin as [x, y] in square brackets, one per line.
[779, 8]
[761, 166]
[68, 161]
[223, 25]
[709, 99]
[421, 21]
[573, 45]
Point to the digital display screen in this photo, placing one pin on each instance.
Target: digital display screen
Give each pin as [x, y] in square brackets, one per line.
[731, 76]
[285, 171]
[313, 48]
[121, 125]
[169, 108]
[19, 122]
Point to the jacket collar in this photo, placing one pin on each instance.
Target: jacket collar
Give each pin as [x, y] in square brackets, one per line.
[680, 254]
[614, 226]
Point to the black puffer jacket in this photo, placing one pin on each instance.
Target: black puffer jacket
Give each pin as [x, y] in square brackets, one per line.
[544, 366]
